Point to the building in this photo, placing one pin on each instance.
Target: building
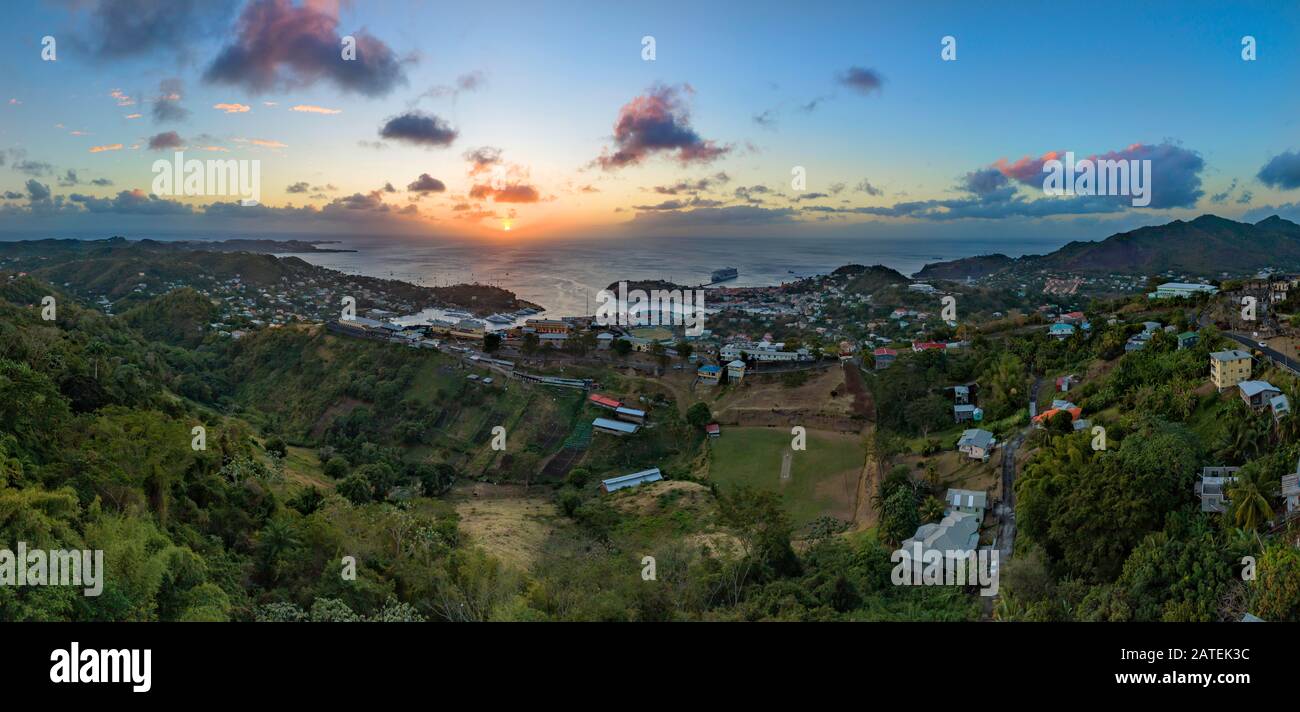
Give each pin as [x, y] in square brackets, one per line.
[977, 444]
[1074, 317]
[604, 340]
[1258, 394]
[548, 326]
[919, 346]
[1181, 289]
[967, 501]
[963, 412]
[713, 430]
[1291, 490]
[1188, 339]
[709, 374]
[468, 329]
[1212, 488]
[736, 371]
[762, 351]
[614, 427]
[605, 402]
[1061, 330]
[1042, 418]
[956, 532]
[631, 415]
[1063, 383]
[884, 357]
[614, 484]
[961, 395]
[1280, 406]
[1228, 368]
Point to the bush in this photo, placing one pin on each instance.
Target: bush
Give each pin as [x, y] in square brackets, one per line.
[275, 445]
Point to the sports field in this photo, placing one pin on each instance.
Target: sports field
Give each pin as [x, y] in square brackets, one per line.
[822, 478]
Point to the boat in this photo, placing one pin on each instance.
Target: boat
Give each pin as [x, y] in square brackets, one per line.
[500, 319]
[722, 275]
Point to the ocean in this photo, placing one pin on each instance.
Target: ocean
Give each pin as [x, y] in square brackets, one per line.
[564, 275]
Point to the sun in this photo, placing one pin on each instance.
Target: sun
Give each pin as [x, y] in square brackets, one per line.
[506, 225]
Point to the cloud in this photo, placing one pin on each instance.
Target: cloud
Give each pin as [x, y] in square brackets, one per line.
[233, 108]
[482, 159]
[984, 181]
[742, 215]
[37, 191]
[695, 186]
[167, 107]
[33, 168]
[263, 142]
[658, 122]
[1282, 171]
[419, 129]
[509, 193]
[69, 179]
[810, 196]
[123, 99]
[465, 83]
[101, 182]
[134, 116]
[864, 81]
[310, 109]
[1223, 197]
[426, 184]
[107, 147]
[165, 140]
[279, 45]
[126, 28]
[131, 202]
[766, 119]
[299, 187]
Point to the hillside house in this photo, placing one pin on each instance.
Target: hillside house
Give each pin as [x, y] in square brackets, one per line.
[614, 427]
[709, 374]
[736, 371]
[1258, 394]
[1228, 368]
[977, 444]
[1212, 488]
[884, 357]
[967, 501]
[956, 532]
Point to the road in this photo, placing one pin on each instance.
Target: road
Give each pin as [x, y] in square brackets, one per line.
[1252, 345]
[1006, 509]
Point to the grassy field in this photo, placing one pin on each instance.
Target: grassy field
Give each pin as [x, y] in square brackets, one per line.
[822, 478]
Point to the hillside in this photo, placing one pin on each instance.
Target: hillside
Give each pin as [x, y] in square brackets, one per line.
[1207, 246]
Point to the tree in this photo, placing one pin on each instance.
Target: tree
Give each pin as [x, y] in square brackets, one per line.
[96, 350]
[356, 489]
[275, 445]
[699, 415]
[1277, 589]
[336, 467]
[491, 342]
[929, 412]
[684, 350]
[531, 344]
[1250, 494]
[622, 347]
[660, 355]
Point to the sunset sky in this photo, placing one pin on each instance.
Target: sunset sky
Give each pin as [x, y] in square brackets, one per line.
[544, 118]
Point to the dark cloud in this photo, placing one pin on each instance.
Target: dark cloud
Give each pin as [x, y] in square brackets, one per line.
[426, 184]
[1282, 171]
[299, 187]
[482, 159]
[418, 128]
[101, 182]
[982, 181]
[767, 119]
[658, 122]
[10, 195]
[165, 140]
[741, 215]
[167, 107]
[37, 191]
[33, 168]
[388, 188]
[69, 179]
[1175, 180]
[131, 202]
[1223, 197]
[863, 81]
[695, 186]
[126, 28]
[279, 46]
[810, 196]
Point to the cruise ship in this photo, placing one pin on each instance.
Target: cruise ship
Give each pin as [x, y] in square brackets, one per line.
[722, 275]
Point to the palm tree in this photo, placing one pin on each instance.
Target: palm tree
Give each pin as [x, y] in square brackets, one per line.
[1249, 496]
[95, 350]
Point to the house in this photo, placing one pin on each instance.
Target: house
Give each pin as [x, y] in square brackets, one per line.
[961, 395]
[605, 402]
[1212, 488]
[1061, 331]
[965, 411]
[614, 427]
[604, 340]
[956, 532]
[1188, 339]
[1257, 394]
[919, 346]
[468, 329]
[1291, 490]
[709, 375]
[631, 415]
[736, 371]
[884, 357]
[1280, 406]
[977, 444]
[1063, 383]
[1228, 368]
[1042, 418]
[968, 501]
[713, 430]
[1074, 317]
[614, 484]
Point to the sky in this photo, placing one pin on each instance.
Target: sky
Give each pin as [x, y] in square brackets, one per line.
[527, 121]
